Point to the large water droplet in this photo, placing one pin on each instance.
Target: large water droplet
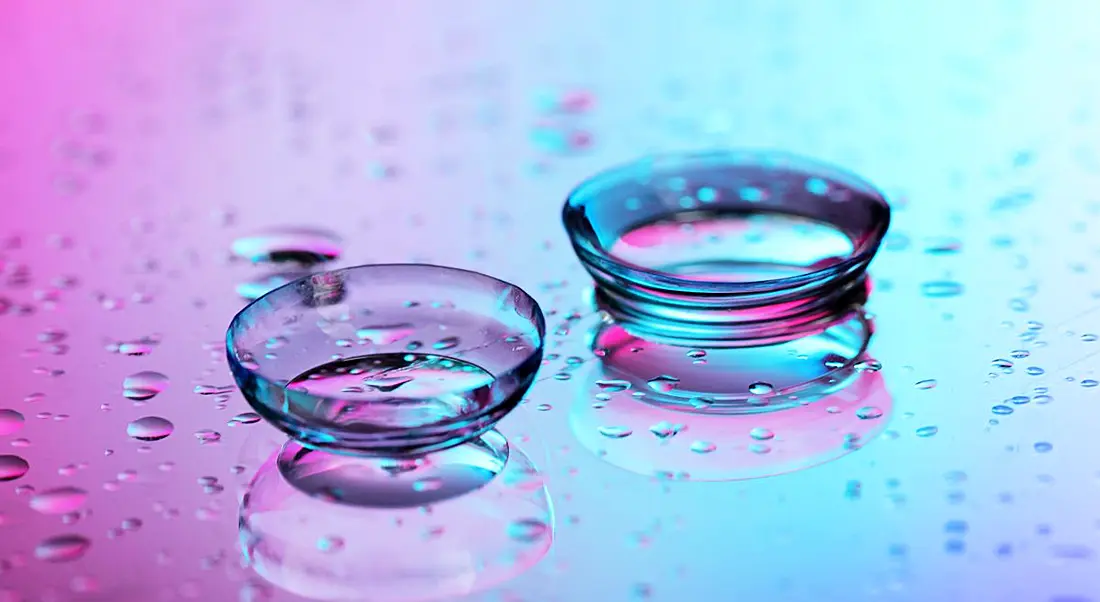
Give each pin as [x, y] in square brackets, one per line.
[150, 428]
[144, 385]
[60, 500]
[301, 245]
[62, 548]
[12, 467]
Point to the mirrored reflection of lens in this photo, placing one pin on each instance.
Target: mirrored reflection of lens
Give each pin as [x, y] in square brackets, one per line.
[731, 380]
[826, 423]
[335, 543]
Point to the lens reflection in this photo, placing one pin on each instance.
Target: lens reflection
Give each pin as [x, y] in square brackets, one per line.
[331, 527]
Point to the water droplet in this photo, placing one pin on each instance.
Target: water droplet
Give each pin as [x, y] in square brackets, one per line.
[612, 386]
[615, 432]
[1043, 447]
[868, 365]
[445, 343]
[762, 434]
[62, 548]
[208, 436]
[1089, 383]
[761, 388]
[12, 467]
[939, 289]
[528, 530]
[213, 389]
[703, 447]
[927, 431]
[1002, 410]
[663, 383]
[665, 430]
[759, 448]
[304, 246]
[696, 353]
[145, 385]
[60, 500]
[244, 418]
[943, 246]
[10, 422]
[330, 544]
[150, 428]
[869, 413]
[928, 383]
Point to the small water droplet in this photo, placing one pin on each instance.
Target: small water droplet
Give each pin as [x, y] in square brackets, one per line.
[213, 389]
[244, 418]
[1043, 447]
[761, 388]
[869, 413]
[928, 383]
[150, 428]
[60, 500]
[208, 436]
[145, 385]
[527, 530]
[615, 432]
[939, 289]
[330, 544]
[62, 548]
[612, 386]
[665, 430]
[868, 365]
[703, 447]
[663, 383]
[927, 431]
[446, 343]
[762, 434]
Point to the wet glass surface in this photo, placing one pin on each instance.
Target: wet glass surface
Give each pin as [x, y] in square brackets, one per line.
[161, 165]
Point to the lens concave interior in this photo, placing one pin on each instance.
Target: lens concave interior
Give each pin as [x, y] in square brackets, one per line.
[364, 360]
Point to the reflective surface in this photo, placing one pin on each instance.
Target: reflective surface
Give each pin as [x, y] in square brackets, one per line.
[140, 141]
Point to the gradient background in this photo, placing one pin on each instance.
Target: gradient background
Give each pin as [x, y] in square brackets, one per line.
[138, 139]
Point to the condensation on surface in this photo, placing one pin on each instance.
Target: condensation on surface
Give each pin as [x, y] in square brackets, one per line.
[139, 141]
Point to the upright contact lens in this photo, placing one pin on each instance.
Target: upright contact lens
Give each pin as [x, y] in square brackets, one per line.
[728, 282]
[389, 381]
